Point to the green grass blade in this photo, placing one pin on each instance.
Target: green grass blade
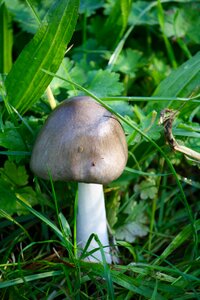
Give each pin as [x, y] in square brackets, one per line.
[12, 282]
[40, 216]
[168, 46]
[182, 82]
[25, 82]
[6, 40]
[178, 241]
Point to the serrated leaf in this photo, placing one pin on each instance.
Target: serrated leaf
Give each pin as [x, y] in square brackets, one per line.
[68, 69]
[90, 6]
[147, 189]
[148, 123]
[11, 139]
[128, 62]
[184, 22]
[143, 12]
[26, 82]
[130, 231]
[104, 83]
[7, 198]
[14, 174]
[112, 209]
[22, 14]
[134, 225]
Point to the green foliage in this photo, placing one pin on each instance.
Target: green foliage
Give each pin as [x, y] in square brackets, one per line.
[136, 58]
[183, 82]
[6, 40]
[46, 50]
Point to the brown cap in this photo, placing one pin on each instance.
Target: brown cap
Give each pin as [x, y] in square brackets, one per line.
[80, 141]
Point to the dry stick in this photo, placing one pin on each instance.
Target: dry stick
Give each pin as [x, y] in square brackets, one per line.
[167, 117]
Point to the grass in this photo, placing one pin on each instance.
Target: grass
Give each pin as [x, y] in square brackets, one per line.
[136, 66]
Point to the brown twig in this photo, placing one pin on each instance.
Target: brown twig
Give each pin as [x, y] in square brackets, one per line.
[167, 117]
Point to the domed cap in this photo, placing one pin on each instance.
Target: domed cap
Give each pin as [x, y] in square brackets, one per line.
[80, 141]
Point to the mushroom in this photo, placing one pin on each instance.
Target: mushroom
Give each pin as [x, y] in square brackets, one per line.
[82, 141]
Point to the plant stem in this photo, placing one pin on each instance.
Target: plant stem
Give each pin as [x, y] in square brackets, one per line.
[91, 218]
[50, 96]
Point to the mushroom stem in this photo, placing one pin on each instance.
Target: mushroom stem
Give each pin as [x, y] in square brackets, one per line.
[92, 219]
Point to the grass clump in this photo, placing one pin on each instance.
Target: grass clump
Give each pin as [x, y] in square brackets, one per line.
[136, 59]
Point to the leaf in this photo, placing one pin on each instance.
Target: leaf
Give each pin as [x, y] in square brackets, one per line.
[116, 22]
[104, 83]
[6, 40]
[183, 82]
[23, 15]
[68, 69]
[11, 138]
[128, 62]
[130, 231]
[112, 208]
[65, 226]
[179, 239]
[143, 12]
[134, 225]
[148, 123]
[90, 6]
[184, 22]
[13, 174]
[147, 189]
[7, 198]
[26, 82]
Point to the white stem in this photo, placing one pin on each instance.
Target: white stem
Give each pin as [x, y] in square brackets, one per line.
[91, 218]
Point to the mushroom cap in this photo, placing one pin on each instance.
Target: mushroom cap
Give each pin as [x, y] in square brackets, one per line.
[80, 141]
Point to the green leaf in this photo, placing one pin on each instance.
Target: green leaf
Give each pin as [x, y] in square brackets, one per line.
[147, 188]
[104, 83]
[65, 225]
[22, 15]
[26, 82]
[183, 82]
[6, 40]
[112, 208]
[11, 138]
[184, 22]
[143, 12]
[128, 62]
[7, 198]
[148, 123]
[90, 6]
[116, 22]
[71, 70]
[178, 241]
[13, 174]
[130, 231]
[135, 224]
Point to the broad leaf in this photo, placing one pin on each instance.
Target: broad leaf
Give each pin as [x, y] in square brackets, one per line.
[90, 6]
[130, 231]
[26, 82]
[183, 82]
[24, 16]
[104, 83]
[15, 175]
[7, 198]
